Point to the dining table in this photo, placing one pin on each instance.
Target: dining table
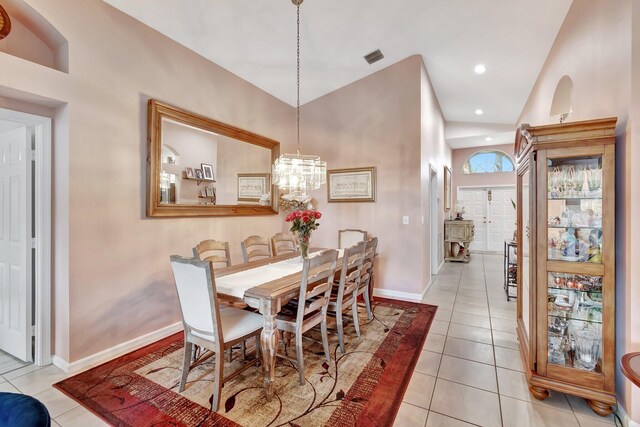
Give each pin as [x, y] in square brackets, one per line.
[266, 285]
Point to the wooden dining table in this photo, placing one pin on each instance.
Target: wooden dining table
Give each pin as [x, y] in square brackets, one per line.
[267, 297]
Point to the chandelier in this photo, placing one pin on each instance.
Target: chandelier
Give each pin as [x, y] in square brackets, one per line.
[298, 173]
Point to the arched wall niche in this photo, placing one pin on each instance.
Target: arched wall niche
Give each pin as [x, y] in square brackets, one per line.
[562, 103]
[33, 38]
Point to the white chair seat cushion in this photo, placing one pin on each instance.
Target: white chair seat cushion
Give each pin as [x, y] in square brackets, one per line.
[236, 323]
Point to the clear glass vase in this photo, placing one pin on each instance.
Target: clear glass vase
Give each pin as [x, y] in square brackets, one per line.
[304, 249]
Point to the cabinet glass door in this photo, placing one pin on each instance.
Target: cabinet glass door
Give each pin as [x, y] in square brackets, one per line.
[574, 244]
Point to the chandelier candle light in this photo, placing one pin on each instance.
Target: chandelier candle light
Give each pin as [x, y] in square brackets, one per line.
[298, 173]
[302, 224]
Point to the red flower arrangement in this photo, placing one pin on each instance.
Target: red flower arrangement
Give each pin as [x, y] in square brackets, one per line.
[302, 224]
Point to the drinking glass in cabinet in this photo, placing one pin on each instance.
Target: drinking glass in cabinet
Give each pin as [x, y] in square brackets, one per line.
[575, 178]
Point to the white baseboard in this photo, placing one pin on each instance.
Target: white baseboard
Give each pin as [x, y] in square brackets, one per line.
[116, 351]
[405, 296]
[625, 418]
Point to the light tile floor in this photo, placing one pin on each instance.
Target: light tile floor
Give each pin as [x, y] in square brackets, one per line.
[9, 363]
[470, 371]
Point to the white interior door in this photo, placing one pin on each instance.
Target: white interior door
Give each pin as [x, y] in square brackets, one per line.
[15, 243]
[502, 218]
[474, 201]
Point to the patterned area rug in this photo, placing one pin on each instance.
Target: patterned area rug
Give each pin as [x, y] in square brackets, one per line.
[363, 387]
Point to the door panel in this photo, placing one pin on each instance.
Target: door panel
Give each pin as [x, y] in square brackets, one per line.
[475, 207]
[15, 243]
[502, 218]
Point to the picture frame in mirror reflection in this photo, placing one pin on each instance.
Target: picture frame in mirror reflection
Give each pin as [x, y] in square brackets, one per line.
[207, 172]
[252, 186]
[351, 185]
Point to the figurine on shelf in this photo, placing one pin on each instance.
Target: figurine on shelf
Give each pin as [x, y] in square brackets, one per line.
[459, 210]
[569, 243]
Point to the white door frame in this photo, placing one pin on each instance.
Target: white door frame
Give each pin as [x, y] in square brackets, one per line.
[488, 187]
[42, 222]
[434, 220]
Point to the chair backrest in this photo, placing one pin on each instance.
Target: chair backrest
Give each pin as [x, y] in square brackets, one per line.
[318, 270]
[369, 259]
[255, 248]
[214, 251]
[349, 237]
[283, 243]
[352, 262]
[196, 288]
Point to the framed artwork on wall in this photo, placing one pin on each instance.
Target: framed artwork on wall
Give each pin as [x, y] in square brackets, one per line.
[351, 185]
[198, 173]
[251, 186]
[207, 171]
[189, 172]
[447, 188]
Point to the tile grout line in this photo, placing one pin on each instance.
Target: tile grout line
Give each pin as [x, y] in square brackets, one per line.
[493, 346]
[445, 341]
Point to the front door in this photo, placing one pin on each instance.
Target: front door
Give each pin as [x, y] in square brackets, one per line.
[493, 215]
[15, 243]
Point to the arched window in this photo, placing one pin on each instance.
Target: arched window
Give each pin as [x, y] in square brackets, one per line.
[488, 161]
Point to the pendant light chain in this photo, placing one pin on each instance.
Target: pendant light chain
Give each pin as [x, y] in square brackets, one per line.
[298, 76]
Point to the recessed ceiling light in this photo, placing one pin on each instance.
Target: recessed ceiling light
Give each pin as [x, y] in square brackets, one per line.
[479, 112]
[488, 139]
[480, 69]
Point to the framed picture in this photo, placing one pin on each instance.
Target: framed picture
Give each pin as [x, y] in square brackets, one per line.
[211, 192]
[198, 173]
[203, 192]
[251, 186]
[447, 188]
[207, 171]
[351, 185]
[189, 173]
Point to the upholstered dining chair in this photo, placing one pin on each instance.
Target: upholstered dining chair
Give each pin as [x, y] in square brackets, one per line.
[283, 243]
[214, 251]
[206, 325]
[255, 248]
[311, 309]
[349, 237]
[346, 295]
[365, 288]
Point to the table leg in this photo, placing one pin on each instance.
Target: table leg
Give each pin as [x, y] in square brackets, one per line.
[269, 340]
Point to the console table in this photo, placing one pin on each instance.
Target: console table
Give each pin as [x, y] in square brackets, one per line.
[458, 235]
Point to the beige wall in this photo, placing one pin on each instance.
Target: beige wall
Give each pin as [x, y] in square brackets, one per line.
[111, 263]
[594, 49]
[484, 179]
[436, 153]
[380, 121]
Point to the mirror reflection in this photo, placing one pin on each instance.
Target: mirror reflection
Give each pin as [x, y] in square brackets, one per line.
[198, 166]
[204, 168]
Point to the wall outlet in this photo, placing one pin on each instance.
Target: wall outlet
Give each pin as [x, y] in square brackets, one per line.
[405, 220]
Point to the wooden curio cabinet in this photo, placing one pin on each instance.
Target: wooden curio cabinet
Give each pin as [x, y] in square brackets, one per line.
[566, 259]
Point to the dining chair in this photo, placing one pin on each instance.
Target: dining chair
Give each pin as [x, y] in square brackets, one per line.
[365, 288]
[311, 310]
[206, 325]
[346, 296]
[255, 248]
[350, 236]
[283, 243]
[214, 251]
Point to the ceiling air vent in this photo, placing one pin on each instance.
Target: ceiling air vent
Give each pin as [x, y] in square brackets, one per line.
[374, 56]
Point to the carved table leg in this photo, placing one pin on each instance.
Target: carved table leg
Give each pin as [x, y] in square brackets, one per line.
[269, 341]
[538, 393]
[600, 408]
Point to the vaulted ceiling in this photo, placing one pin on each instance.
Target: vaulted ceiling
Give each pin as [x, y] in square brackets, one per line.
[255, 39]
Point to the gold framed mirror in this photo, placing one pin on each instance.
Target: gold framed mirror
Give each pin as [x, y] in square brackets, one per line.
[194, 163]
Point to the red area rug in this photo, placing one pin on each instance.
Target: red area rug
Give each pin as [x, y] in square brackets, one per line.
[362, 387]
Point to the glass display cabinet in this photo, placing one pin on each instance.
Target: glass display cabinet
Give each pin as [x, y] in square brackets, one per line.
[566, 280]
